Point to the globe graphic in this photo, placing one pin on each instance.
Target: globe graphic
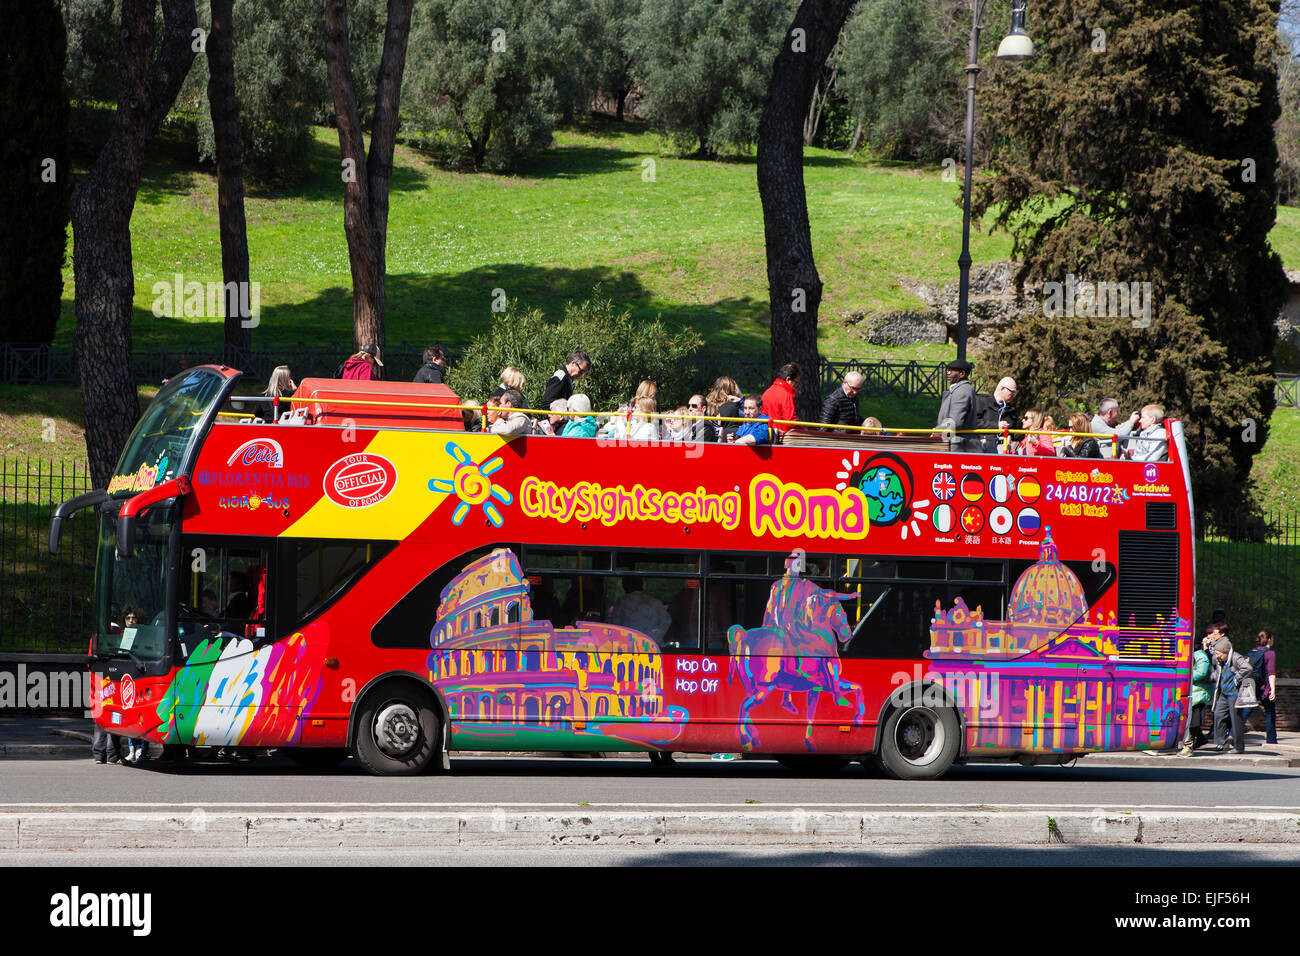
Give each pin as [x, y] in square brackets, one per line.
[883, 490]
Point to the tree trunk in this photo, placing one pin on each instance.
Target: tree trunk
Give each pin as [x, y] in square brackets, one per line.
[101, 225]
[857, 139]
[365, 194]
[232, 224]
[794, 287]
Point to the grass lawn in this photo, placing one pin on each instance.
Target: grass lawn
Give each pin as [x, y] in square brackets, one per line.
[687, 245]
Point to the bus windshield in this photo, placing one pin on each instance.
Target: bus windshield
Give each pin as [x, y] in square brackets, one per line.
[131, 595]
[167, 431]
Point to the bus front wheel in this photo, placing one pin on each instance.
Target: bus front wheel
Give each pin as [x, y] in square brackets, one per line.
[397, 733]
[919, 742]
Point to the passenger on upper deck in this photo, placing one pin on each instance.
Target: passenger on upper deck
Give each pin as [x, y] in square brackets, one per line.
[560, 385]
[509, 422]
[554, 423]
[841, 405]
[1078, 446]
[281, 385]
[957, 410]
[724, 400]
[511, 377]
[996, 411]
[1035, 442]
[363, 366]
[1155, 447]
[1104, 422]
[581, 425]
[434, 368]
[753, 432]
[778, 400]
[699, 429]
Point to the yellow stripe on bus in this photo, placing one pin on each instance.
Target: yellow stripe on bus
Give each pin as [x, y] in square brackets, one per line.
[419, 457]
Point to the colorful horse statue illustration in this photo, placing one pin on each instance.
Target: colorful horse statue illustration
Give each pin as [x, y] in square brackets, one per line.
[795, 651]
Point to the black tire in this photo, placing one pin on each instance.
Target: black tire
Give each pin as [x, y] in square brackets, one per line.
[398, 732]
[813, 765]
[919, 742]
[317, 758]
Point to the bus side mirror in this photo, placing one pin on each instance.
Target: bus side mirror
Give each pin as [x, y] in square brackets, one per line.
[70, 507]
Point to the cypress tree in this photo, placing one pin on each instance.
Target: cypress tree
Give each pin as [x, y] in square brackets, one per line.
[1138, 147]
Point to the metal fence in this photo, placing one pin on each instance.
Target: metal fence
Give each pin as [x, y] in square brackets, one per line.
[44, 598]
[1287, 391]
[1249, 566]
[887, 378]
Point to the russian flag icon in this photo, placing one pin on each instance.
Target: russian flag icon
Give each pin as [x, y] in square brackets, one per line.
[1029, 522]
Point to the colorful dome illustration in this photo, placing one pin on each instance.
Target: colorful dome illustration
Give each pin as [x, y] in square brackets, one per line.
[1048, 593]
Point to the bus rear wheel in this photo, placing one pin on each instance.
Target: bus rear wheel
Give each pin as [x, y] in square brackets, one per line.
[397, 733]
[919, 742]
[812, 765]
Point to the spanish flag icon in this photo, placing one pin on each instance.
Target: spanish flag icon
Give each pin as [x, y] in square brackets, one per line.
[1028, 489]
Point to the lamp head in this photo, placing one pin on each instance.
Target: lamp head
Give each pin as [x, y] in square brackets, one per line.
[1016, 45]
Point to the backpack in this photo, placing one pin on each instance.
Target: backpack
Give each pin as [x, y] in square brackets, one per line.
[1256, 658]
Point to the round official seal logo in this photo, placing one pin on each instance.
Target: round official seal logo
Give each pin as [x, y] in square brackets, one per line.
[359, 481]
[127, 685]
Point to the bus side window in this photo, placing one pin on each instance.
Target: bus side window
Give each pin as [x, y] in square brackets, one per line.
[732, 602]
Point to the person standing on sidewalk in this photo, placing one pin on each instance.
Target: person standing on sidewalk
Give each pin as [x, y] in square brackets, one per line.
[1201, 690]
[1230, 671]
[105, 747]
[1264, 662]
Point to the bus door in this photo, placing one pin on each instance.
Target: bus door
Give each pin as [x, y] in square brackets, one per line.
[224, 639]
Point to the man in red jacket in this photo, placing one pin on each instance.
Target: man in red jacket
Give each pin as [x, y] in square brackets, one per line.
[778, 400]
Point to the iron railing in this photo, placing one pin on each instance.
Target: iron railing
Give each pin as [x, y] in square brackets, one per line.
[1287, 391]
[45, 600]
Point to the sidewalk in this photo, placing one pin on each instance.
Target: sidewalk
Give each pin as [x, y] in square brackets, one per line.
[69, 737]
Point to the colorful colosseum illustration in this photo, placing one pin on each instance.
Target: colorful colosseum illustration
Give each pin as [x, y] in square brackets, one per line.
[510, 679]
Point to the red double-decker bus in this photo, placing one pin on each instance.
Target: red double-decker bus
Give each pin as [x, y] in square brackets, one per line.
[365, 577]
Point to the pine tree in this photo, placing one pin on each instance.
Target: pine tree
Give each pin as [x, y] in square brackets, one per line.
[1138, 147]
[34, 154]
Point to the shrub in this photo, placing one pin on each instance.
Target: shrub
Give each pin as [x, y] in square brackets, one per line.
[623, 351]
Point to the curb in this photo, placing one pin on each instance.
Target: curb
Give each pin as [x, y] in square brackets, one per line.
[307, 830]
[1270, 761]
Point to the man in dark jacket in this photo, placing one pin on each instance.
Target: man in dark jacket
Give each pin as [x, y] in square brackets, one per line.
[560, 385]
[995, 410]
[435, 366]
[957, 410]
[841, 405]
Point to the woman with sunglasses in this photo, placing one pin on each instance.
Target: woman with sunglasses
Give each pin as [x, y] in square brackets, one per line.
[1035, 442]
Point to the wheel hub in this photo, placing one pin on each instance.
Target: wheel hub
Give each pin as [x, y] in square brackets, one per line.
[919, 736]
[397, 729]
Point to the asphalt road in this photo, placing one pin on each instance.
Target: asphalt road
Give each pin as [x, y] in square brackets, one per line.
[485, 782]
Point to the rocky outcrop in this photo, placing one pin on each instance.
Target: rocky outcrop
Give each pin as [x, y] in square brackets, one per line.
[992, 305]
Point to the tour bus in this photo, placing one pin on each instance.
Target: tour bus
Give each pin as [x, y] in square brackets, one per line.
[364, 576]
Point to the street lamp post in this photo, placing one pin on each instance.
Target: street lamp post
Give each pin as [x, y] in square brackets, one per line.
[1015, 46]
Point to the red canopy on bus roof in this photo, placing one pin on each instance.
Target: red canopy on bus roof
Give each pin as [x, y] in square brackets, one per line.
[395, 404]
